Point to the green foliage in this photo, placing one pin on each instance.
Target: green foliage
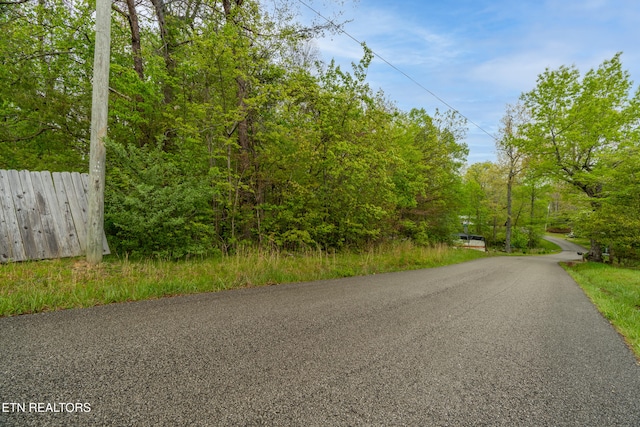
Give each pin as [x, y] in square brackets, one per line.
[223, 135]
[484, 194]
[153, 208]
[578, 125]
[520, 239]
[45, 86]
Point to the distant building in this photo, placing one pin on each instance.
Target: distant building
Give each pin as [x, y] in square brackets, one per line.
[470, 241]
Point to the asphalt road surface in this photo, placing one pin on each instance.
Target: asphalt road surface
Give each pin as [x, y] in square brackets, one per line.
[507, 341]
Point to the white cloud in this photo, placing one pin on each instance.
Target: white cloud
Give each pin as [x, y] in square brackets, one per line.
[478, 56]
[391, 36]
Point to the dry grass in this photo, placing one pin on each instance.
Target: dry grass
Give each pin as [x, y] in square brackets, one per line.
[32, 287]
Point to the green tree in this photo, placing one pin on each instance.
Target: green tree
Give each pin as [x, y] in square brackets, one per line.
[618, 217]
[221, 132]
[46, 52]
[511, 157]
[435, 160]
[334, 184]
[577, 123]
[484, 189]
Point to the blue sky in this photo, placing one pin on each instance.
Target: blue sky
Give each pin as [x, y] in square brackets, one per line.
[478, 55]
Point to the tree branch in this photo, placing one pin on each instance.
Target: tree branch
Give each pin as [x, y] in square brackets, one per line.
[26, 138]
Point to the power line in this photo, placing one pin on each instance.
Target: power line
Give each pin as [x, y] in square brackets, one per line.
[417, 83]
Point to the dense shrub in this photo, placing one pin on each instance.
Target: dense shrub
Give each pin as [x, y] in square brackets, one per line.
[152, 208]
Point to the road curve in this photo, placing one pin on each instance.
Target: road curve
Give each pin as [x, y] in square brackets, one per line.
[500, 341]
[567, 247]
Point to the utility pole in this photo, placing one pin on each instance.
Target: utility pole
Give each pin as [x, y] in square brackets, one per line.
[99, 116]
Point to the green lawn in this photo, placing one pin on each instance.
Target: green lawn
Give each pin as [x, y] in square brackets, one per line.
[615, 292]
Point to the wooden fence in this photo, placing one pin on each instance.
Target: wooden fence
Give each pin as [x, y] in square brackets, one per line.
[43, 215]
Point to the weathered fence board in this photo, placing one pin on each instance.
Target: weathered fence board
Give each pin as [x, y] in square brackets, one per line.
[11, 228]
[5, 241]
[65, 223]
[33, 216]
[19, 203]
[49, 232]
[76, 208]
[65, 234]
[81, 195]
[42, 215]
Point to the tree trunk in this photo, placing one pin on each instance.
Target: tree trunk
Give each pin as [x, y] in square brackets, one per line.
[136, 47]
[167, 46]
[507, 240]
[532, 243]
[495, 228]
[242, 87]
[167, 35]
[243, 126]
[244, 197]
[138, 65]
[595, 252]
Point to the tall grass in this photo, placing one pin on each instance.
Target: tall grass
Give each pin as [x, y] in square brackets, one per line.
[616, 293]
[32, 287]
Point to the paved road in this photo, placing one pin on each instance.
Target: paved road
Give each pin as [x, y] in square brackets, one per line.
[499, 341]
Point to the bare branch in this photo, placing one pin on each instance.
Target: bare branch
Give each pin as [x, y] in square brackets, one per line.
[122, 95]
[11, 3]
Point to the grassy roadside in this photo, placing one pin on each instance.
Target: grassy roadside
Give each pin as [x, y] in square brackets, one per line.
[33, 287]
[549, 247]
[615, 292]
[544, 248]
